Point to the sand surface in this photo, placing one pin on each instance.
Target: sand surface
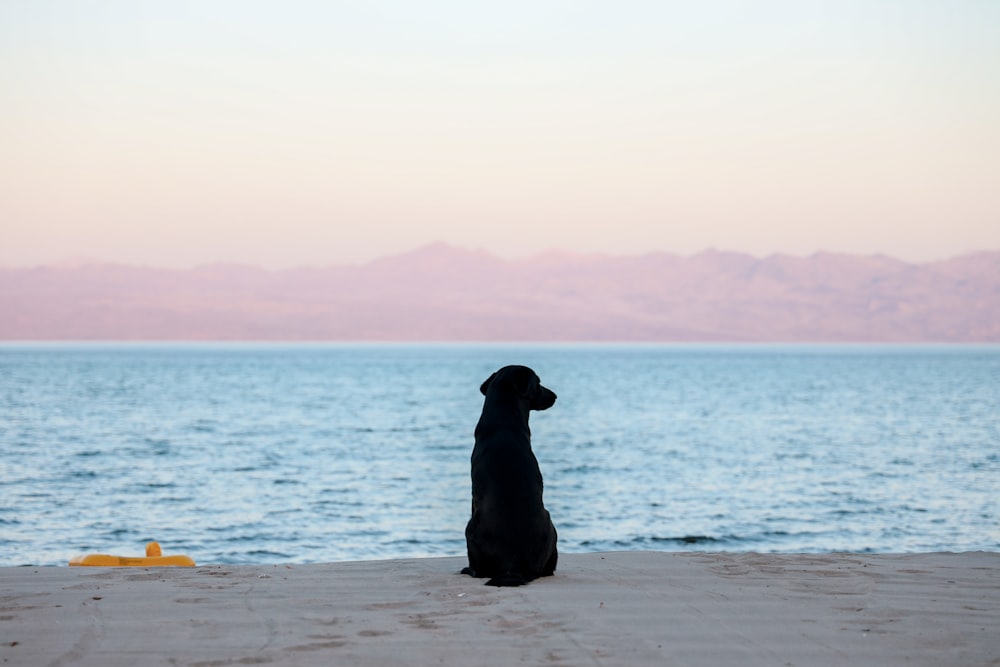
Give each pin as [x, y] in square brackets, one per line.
[631, 608]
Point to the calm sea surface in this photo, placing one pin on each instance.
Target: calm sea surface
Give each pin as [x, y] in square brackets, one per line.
[242, 453]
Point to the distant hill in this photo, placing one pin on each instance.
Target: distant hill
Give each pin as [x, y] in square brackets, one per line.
[440, 292]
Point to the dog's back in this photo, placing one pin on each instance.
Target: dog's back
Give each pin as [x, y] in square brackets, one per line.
[510, 536]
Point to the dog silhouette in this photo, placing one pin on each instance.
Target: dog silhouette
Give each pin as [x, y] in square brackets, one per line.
[510, 536]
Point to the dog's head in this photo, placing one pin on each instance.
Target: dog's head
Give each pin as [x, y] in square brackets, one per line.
[522, 382]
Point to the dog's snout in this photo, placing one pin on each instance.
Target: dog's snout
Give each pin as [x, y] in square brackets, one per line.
[544, 399]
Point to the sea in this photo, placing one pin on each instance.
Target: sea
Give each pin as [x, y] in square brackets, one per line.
[301, 453]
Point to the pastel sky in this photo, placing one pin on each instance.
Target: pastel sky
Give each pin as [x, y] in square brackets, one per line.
[318, 132]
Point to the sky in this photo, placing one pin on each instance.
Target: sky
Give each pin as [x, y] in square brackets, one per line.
[309, 133]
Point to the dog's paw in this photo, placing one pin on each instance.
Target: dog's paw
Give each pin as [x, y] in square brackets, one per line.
[508, 579]
[469, 571]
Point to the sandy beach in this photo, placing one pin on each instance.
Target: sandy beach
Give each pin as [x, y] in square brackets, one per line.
[628, 608]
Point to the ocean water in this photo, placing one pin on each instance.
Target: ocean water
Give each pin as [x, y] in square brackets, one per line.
[247, 453]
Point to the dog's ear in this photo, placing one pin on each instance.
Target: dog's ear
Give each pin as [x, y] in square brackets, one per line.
[486, 385]
[543, 399]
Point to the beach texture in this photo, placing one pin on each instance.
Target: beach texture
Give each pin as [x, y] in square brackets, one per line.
[627, 608]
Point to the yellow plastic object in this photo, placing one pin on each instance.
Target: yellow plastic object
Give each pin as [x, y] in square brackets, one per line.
[154, 558]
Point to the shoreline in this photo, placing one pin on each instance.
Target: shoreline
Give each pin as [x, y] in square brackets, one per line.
[611, 608]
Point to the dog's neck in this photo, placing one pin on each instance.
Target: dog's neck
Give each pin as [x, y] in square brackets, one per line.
[507, 413]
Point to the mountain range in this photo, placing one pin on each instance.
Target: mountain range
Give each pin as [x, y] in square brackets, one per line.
[444, 293]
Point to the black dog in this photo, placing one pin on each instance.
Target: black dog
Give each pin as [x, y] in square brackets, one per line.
[510, 536]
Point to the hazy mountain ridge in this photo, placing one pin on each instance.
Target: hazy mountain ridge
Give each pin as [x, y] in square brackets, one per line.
[439, 292]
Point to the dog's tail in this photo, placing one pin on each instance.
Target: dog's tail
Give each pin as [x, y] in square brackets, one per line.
[508, 579]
